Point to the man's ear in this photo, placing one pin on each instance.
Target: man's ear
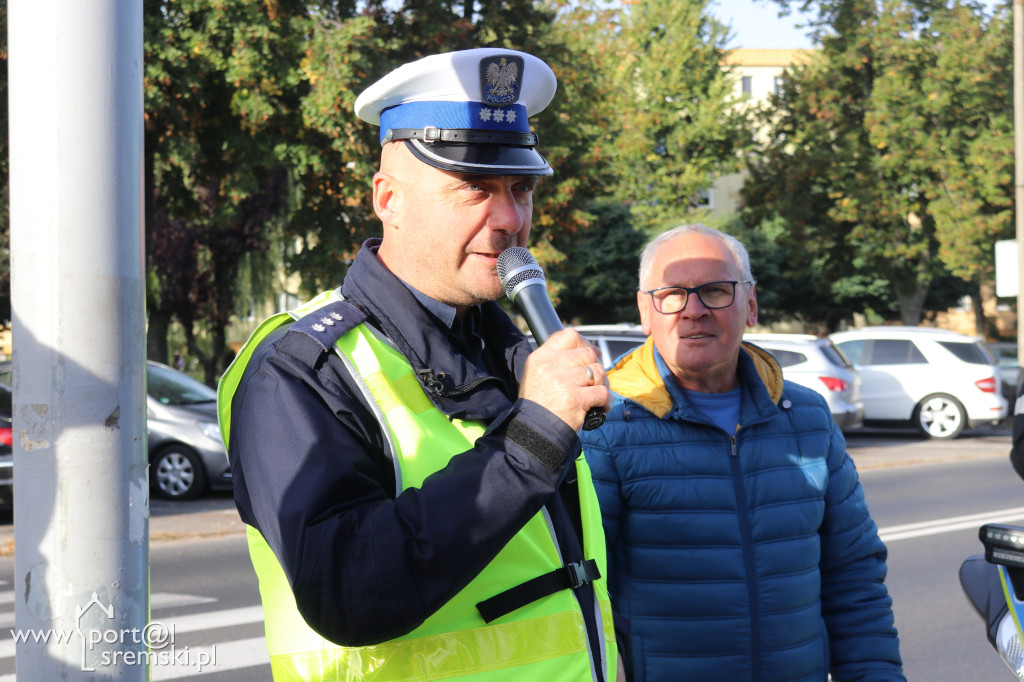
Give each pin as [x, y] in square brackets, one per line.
[385, 198]
[752, 307]
[643, 302]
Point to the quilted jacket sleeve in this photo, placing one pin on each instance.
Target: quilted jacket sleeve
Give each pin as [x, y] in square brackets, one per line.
[863, 643]
[606, 481]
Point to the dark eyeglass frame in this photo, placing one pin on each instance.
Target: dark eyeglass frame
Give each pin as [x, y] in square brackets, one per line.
[695, 290]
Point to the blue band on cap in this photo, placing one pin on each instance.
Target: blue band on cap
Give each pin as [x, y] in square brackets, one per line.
[472, 115]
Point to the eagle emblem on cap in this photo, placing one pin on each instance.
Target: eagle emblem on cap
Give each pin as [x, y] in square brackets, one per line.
[500, 79]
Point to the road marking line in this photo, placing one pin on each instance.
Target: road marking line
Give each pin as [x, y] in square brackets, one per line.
[158, 600]
[165, 600]
[936, 526]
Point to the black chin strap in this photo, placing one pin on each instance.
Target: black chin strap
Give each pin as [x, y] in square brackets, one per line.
[461, 135]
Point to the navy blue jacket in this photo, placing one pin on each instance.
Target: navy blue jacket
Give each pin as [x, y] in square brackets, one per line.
[312, 475]
[1017, 451]
[738, 556]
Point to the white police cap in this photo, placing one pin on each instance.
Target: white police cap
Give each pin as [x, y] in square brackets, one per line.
[465, 111]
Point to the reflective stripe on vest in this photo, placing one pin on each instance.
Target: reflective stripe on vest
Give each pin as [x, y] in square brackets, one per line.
[542, 640]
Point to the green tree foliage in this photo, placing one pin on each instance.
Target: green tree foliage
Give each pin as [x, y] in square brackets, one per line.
[5, 186]
[601, 267]
[944, 112]
[679, 129]
[873, 160]
[642, 120]
[221, 96]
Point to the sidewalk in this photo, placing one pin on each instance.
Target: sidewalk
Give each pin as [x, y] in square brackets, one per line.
[213, 515]
[876, 448]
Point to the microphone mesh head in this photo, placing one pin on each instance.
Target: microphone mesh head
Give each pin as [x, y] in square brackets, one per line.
[515, 266]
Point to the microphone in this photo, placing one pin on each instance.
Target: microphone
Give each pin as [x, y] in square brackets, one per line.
[525, 286]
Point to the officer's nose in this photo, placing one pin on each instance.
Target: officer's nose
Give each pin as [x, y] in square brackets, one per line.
[507, 212]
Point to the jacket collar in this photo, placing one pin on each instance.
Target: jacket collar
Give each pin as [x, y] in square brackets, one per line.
[644, 378]
[452, 383]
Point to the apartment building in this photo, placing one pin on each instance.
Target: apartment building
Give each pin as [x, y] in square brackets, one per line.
[758, 75]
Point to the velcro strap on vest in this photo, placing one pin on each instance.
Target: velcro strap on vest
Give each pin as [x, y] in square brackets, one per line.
[567, 577]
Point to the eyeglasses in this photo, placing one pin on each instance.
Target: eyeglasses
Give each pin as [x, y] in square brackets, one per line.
[669, 300]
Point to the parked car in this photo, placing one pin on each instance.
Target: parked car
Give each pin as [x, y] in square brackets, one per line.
[6, 447]
[936, 380]
[1005, 356]
[613, 340]
[817, 364]
[186, 455]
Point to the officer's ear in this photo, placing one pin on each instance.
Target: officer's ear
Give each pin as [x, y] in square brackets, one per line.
[385, 198]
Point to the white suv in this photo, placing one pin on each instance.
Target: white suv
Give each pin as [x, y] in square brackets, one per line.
[937, 380]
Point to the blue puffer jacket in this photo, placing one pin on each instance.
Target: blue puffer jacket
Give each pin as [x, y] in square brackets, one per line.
[744, 556]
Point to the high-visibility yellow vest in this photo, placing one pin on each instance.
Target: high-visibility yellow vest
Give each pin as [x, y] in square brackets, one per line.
[543, 640]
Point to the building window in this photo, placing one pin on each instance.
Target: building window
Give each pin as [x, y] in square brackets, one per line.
[778, 84]
[704, 199]
[747, 84]
[288, 301]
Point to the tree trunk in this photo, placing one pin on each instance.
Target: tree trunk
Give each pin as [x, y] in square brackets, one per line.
[216, 361]
[156, 336]
[911, 301]
[979, 313]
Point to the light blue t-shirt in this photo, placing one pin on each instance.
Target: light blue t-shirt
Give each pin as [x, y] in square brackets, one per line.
[721, 408]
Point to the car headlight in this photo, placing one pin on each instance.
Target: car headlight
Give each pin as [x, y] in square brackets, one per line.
[211, 430]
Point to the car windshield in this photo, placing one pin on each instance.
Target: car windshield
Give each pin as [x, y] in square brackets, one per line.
[171, 387]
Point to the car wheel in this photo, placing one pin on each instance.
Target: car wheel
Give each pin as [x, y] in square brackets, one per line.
[940, 416]
[177, 473]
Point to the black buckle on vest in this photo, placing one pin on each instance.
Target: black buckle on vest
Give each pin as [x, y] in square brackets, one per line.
[579, 573]
[568, 577]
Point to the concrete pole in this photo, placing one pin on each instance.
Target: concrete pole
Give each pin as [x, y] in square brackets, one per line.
[1018, 155]
[78, 313]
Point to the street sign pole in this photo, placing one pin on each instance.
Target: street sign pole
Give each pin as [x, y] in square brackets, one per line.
[78, 315]
[1018, 153]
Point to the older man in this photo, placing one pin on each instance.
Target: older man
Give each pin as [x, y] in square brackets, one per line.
[739, 540]
[416, 501]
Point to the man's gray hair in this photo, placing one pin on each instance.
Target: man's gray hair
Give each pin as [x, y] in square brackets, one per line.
[735, 246]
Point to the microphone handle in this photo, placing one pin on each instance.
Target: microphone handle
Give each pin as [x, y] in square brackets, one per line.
[541, 318]
[543, 322]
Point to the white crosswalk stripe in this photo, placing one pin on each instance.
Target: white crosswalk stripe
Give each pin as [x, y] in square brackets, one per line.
[216, 658]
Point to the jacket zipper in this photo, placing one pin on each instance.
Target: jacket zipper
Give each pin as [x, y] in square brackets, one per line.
[748, 560]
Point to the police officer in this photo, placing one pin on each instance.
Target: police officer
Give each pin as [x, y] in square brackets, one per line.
[409, 473]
